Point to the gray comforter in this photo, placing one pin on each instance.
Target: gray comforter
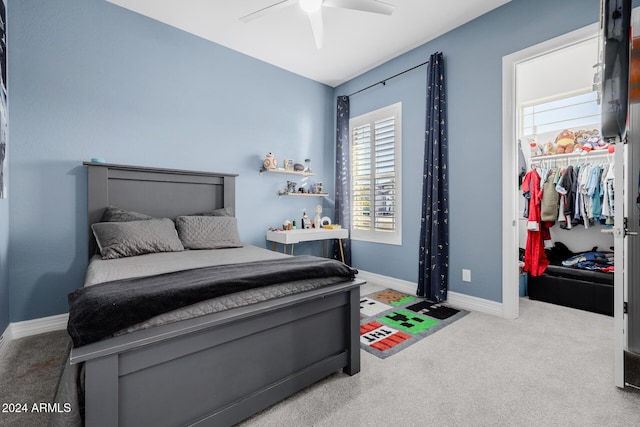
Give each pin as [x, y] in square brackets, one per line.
[99, 311]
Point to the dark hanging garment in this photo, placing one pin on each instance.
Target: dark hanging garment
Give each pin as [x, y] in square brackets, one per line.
[522, 164]
[566, 182]
[574, 201]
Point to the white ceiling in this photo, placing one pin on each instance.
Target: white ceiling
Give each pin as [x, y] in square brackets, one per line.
[354, 41]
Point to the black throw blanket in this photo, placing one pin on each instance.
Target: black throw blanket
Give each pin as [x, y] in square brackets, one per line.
[99, 311]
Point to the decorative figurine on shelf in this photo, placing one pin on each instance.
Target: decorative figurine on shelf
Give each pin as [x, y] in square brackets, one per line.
[306, 221]
[317, 219]
[291, 187]
[270, 161]
[307, 167]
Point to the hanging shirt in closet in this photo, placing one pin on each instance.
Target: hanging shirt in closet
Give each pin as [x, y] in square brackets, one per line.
[567, 200]
[594, 191]
[583, 189]
[607, 199]
[550, 198]
[577, 201]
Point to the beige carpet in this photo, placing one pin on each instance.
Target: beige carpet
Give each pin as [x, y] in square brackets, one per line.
[29, 373]
[551, 367]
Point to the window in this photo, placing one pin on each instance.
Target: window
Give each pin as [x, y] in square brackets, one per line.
[567, 112]
[375, 176]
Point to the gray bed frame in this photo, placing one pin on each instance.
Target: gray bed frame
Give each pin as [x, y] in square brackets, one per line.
[220, 368]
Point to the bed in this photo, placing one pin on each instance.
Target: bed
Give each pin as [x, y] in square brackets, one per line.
[217, 368]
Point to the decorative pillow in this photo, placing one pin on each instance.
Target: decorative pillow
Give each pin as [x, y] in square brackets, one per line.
[125, 239]
[217, 212]
[115, 214]
[208, 232]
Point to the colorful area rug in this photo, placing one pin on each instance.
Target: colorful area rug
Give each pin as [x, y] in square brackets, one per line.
[391, 321]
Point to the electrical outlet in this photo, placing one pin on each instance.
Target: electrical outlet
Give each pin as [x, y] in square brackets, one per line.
[466, 275]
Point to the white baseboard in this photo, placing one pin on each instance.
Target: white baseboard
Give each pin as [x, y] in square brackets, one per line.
[38, 326]
[32, 327]
[5, 340]
[468, 302]
[456, 299]
[391, 282]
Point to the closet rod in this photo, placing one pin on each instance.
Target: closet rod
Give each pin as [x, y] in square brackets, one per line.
[384, 82]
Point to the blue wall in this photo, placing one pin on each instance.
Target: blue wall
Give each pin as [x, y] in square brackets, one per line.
[90, 79]
[473, 62]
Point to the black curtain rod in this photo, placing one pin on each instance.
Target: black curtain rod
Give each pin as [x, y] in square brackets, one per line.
[384, 82]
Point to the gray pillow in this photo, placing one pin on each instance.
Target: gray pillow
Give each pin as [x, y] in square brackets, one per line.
[115, 214]
[125, 239]
[208, 232]
[217, 212]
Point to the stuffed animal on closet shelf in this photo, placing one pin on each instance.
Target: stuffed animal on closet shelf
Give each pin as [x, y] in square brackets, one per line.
[548, 148]
[565, 142]
[596, 141]
[591, 140]
[536, 150]
[581, 139]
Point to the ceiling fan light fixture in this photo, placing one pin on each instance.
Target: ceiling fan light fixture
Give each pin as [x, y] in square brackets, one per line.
[310, 6]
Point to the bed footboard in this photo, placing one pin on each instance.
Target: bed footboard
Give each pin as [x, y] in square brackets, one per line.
[222, 368]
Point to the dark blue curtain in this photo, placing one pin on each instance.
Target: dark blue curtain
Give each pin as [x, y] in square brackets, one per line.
[434, 231]
[342, 210]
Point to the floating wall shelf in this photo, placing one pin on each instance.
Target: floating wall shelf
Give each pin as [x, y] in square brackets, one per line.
[303, 194]
[286, 172]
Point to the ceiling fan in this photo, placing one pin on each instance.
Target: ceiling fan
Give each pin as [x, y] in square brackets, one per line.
[313, 8]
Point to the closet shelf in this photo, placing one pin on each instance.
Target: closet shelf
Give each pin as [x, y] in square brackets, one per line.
[591, 154]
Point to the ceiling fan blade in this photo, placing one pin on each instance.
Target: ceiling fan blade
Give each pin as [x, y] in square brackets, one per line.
[315, 19]
[266, 10]
[373, 6]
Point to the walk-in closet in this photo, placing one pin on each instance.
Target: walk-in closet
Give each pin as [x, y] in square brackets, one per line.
[565, 181]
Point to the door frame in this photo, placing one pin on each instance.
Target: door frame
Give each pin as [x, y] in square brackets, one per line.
[510, 216]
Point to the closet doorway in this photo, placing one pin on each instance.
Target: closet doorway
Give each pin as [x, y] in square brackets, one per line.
[544, 89]
[626, 227]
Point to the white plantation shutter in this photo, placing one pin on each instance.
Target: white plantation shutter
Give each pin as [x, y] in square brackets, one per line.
[385, 175]
[361, 178]
[375, 176]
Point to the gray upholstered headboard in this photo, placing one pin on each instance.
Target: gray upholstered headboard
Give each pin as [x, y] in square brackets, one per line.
[162, 193]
